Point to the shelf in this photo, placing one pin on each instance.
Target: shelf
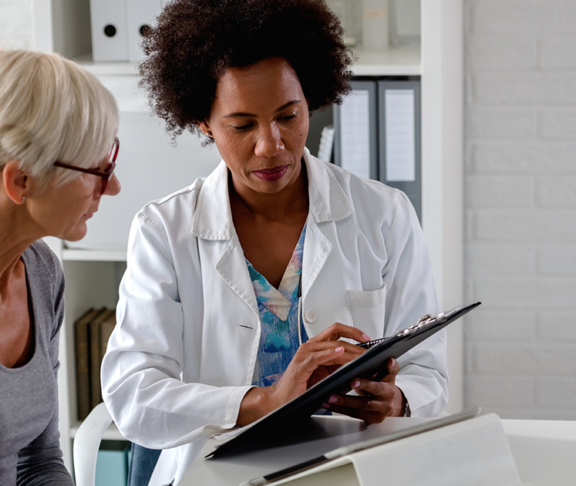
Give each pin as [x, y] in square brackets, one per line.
[110, 68]
[395, 61]
[94, 255]
[111, 434]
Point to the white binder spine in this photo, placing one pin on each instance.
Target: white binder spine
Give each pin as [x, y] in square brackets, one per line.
[109, 35]
[141, 15]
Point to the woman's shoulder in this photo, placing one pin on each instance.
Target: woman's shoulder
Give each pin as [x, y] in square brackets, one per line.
[41, 262]
[46, 282]
[367, 194]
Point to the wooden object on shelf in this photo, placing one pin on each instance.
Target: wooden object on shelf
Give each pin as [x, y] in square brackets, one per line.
[106, 329]
[95, 390]
[83, 361]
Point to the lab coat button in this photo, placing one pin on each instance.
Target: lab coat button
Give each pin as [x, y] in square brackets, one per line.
[310, 316]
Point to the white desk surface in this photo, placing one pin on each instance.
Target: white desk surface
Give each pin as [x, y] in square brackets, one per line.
[545, 452]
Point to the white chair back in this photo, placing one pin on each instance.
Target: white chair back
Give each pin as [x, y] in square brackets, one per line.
[87, 442]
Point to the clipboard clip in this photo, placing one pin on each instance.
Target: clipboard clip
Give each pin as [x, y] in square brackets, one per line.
[423, 321]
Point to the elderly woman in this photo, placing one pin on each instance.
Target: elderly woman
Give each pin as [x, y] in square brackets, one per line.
[208, 334]
[57, 124]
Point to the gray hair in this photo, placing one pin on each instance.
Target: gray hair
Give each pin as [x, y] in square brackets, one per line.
[52, 110]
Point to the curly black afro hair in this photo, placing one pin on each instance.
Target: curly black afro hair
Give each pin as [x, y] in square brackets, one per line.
[195, 41]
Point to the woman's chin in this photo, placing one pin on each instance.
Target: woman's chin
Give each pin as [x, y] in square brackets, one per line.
[75, 234]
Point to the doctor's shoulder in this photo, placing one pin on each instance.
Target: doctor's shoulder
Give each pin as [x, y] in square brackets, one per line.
[174, 209]
[373, 199]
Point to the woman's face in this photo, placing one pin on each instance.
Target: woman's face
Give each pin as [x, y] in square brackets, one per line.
[63, 210]
[259, 121]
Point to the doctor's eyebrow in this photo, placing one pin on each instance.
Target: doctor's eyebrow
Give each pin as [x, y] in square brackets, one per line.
[243, 114]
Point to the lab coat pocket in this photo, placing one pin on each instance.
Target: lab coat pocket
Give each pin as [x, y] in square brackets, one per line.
[367, 309]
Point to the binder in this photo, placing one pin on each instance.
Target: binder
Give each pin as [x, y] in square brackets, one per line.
[140, 15]
[109, 35]
[94, 327]
[355, 123]
[378, 135]
[81, 339]
[400, 138]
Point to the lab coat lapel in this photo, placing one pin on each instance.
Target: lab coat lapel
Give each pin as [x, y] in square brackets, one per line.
[316, 251]
[213, 221]
[233, 269]
[328, 203]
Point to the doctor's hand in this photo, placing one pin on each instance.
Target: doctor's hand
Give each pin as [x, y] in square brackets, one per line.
[313, 361]
[376, 400]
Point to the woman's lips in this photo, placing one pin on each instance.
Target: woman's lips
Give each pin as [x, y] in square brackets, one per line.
[270, 175]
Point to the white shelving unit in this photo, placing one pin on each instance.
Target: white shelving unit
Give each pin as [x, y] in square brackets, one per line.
[93, 276]
[394, 61]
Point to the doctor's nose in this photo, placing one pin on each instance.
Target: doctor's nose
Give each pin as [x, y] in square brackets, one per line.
[269, 143]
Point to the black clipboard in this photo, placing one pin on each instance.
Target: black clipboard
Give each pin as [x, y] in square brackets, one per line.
[371, 364]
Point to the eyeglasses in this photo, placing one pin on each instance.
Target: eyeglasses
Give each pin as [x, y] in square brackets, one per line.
[106, 174]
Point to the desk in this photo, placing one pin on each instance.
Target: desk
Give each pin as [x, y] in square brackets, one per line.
[545, 452]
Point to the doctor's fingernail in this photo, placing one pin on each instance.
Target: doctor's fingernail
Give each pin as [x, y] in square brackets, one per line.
[365, 336]
[325, 405]
[332, 399]
[339, 349]
[355, 383]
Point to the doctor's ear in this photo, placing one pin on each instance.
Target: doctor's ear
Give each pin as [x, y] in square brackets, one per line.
[16, 182]
[205, 127]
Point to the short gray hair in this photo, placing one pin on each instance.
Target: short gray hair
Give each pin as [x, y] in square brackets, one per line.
[52, 110]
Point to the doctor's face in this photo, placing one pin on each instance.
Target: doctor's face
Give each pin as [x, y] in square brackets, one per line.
[259, 121]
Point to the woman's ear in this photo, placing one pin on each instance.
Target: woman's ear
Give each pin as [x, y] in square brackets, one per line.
[205, 127]
[16, 182]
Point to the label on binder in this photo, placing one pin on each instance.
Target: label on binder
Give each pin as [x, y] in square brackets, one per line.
[400, 135]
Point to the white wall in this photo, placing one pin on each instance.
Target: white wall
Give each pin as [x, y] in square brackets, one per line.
[16, 24]
[520, 207]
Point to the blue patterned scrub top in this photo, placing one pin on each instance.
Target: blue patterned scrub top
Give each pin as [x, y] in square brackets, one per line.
[278, 310]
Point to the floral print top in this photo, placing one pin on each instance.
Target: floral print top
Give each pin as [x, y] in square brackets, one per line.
[279, 319]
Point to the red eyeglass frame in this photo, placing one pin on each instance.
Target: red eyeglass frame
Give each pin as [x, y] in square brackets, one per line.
[105, 174]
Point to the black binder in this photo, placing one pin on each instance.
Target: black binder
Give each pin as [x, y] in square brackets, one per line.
[371, 126]
[371, 364]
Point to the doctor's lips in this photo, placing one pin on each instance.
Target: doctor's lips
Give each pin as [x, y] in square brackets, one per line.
[271, 175]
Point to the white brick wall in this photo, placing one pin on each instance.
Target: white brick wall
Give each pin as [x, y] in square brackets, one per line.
[15, 24]
[520, 197]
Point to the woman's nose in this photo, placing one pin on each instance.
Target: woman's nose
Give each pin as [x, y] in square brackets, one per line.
[269, 142]
[113, 186]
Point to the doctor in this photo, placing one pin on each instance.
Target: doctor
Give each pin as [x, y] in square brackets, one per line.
[208, 335]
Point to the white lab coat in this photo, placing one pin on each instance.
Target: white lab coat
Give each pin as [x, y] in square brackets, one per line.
[183, 353]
